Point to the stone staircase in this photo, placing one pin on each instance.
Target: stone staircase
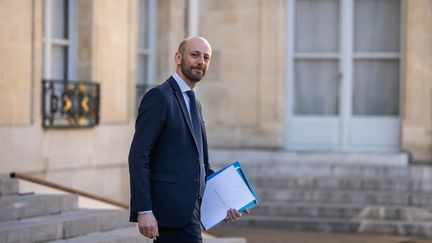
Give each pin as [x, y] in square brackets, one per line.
[379, 199]
[57, 218]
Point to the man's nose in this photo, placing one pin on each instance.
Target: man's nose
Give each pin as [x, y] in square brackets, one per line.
[201, 60]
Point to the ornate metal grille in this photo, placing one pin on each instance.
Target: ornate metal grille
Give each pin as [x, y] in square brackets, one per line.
[70, 104]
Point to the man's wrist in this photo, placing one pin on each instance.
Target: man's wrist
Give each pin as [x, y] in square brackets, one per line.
[145, 212]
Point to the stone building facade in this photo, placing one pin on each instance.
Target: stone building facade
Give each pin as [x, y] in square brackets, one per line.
[276, 81]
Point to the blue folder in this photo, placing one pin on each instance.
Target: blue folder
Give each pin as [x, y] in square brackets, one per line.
[246, 180]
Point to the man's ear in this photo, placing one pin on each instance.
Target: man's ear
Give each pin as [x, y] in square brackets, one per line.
[177, 58]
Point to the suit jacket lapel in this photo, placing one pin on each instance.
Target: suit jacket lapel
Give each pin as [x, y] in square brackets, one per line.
[180, 99]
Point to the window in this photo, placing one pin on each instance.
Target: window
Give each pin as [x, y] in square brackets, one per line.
[59, 41]
[65, 104]
[146, 47]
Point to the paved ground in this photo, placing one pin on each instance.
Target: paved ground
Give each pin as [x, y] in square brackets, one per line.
[254, 235]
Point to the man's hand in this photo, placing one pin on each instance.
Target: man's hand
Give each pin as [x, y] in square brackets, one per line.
[233, 214]
[147, 225]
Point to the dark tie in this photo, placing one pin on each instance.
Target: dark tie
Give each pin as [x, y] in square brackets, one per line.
[196, 124]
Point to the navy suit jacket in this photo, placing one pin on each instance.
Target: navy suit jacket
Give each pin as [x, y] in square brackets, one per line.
[163, 158]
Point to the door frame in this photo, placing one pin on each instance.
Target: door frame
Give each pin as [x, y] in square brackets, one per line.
[346, 59]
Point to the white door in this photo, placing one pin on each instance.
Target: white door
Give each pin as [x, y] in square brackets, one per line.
[343, 75]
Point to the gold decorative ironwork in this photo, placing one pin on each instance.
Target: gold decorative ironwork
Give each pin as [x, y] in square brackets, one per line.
[70, 104]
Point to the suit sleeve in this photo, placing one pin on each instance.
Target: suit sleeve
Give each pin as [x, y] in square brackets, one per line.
[149, 123]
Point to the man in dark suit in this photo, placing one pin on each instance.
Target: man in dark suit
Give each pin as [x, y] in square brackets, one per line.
[168, 159]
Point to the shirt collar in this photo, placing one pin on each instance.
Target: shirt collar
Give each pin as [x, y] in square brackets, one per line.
[181, 83]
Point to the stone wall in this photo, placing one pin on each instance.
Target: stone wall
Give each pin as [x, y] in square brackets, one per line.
[16, 51]
[95, 159]
[417, 117]
[242, 95]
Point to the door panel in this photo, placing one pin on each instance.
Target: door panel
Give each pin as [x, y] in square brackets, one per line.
[374, 133]
[312, 133]
[377, 25]
[374, 122]
[317, 91]
[316, 26]
[376, 88]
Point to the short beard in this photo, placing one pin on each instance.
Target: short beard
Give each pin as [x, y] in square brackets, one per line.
[188, 72]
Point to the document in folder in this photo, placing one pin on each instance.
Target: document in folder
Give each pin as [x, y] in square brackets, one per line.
[225, 189]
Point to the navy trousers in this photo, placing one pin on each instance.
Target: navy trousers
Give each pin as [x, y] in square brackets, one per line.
[191, 233]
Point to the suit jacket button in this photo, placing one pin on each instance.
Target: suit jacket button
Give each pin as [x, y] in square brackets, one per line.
[195, 179]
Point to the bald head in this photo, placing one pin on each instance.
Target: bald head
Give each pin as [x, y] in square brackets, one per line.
[192, 59]
[192, 40]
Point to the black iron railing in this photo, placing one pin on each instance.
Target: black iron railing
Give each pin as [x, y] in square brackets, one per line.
[70, 104]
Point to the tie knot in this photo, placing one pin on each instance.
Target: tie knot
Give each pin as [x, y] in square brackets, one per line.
[190, 94]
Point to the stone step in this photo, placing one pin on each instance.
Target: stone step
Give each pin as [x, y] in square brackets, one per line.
[132, 235]
[315, 210]
[355, 197]
[345, 211]
[62, 226]
[411, 214]
[333, 182]
[254, 156]
[128, 234]
[25, 206]
[225, 240]
[298, 223]
[418, 172]
[406, 228]
[8, 186]
[287, 167]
